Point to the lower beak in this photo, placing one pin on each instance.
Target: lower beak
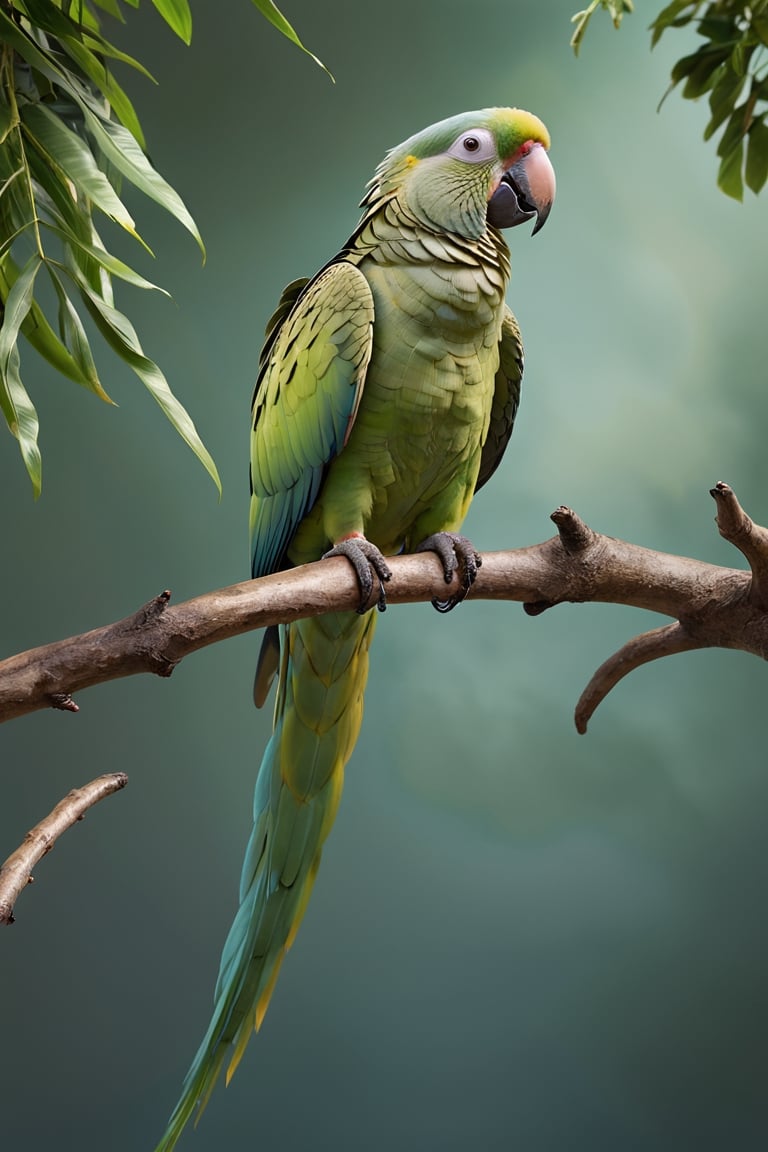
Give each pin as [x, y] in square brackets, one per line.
[526, 190]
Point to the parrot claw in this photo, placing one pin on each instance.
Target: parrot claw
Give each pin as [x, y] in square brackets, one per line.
[455, 553]
[367, 560]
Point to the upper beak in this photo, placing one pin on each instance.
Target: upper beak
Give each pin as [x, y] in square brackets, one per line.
[526, 189]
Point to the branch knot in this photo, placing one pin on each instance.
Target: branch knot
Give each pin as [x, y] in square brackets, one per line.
[575, 535]
[751, 540]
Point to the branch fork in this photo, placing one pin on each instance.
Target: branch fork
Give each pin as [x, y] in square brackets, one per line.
[730, 623]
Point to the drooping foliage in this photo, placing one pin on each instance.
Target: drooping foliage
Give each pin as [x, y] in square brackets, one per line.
[731, 64]
[69, 139]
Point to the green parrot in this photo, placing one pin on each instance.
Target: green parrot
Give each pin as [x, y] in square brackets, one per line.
[387, 389]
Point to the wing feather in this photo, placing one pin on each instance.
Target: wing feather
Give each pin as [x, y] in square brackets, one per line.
[311, 375]
[506, 398]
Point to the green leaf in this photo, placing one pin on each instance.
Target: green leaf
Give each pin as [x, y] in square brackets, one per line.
[275, 17]
[734, 131]
[112, 7]
[617, 9]
[700, 70]
[17, 305]
[18, 409]
[107, 261]
[106, 83]
[69, 152]
[729, 174]
[581, 20]
[59, 355]
[104, 48]
[87, 20]
[47, 16]
[683, 67]
[16, 210]
[671, 17]
[722, 99]
[104, 287]
[756, 171]
[718, 29]
[119, 146]
[8, 181]
[73, 333]
[740, 57]
[177, 15]
[36, 328]
[8, 121]
[55, 205]
[20, 413]
[119, 333]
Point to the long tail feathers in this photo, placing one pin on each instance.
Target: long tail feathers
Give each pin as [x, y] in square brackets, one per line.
[319, 708]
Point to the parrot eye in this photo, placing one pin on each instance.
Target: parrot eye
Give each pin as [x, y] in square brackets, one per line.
[476, 147]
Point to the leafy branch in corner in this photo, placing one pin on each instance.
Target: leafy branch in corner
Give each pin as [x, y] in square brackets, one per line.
[731, 65]
[69, 138]
[616, 9]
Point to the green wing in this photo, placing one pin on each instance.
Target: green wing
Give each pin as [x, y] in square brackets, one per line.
[311, 375]
[506, 398]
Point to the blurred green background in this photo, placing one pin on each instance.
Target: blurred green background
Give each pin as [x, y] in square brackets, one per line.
[520, 938]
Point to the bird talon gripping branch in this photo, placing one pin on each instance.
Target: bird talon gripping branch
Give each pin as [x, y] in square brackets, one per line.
[367, 561]
[456, 554]
[387, 389]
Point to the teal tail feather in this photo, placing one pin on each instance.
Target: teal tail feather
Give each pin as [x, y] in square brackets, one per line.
[318, 712]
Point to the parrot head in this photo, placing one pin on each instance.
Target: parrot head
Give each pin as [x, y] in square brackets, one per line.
[478, 168]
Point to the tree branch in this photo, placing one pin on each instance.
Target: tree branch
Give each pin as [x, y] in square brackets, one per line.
[640, 650]
[751, 540]
[16, 873]
[714, 607]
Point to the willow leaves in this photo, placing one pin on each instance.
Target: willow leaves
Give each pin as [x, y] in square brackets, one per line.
[69, 140]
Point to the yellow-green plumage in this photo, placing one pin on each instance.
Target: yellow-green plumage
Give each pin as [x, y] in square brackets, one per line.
[387, 390]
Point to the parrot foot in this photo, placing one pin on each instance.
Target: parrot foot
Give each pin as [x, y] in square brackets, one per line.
[367, 561]
[455, 553]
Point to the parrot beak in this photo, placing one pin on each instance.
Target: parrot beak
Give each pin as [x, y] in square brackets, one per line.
[526, 189]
